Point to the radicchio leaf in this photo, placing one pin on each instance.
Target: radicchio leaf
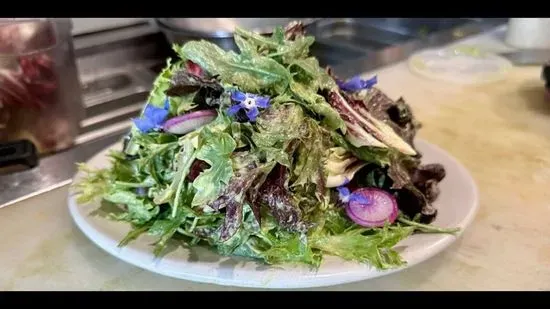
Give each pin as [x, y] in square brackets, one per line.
[294, 29]
[208, 91]
[396, 114]
[427, 177]
[276, 196]
[416, 185]
[236, 195]
[197, 167]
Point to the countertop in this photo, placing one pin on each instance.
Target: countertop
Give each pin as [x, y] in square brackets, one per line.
[499, 131]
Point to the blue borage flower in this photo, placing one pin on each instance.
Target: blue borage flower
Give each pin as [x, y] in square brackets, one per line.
[346, 196]
[249, 102]
[141, 191]
[153, 117]
[357, 84]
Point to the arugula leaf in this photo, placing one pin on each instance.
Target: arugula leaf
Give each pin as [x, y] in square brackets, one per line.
[288, 50]
[247, 48]
[250, 74]
[215, 148]
[164, 229]
[184, 160]
[297, 49]
[278, 35]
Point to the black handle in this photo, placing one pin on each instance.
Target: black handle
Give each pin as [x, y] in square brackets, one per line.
[21, 152]
[546, 74]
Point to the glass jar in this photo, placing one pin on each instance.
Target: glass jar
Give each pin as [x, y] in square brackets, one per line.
[40, 92]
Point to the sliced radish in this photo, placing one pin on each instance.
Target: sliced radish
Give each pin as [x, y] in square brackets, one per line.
[188, 122]
[193, 68]
[372, 207]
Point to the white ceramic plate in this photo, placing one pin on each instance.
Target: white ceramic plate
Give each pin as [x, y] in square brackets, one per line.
[457, 204]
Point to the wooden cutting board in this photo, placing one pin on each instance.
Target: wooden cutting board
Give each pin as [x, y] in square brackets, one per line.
[501, 133]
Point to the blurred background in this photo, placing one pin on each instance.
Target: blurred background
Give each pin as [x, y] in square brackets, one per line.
[69, 87]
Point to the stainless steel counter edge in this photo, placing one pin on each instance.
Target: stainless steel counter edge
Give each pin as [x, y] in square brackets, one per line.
[401, 52]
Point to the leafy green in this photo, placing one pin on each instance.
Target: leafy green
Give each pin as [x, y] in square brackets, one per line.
[310, 153]
[317, 104]
[251, 74]
[138, 209]
[93, 185]
[215, 148]
[162, 83]
[259, 189]
[367, 246]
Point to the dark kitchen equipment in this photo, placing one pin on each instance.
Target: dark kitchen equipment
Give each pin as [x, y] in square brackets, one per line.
[40, 92]
[546, 77]
[218, 30]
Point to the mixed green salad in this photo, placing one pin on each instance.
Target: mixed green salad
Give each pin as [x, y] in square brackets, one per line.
[266, 155]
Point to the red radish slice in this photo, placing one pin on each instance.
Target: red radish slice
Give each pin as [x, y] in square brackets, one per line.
[188, 122]
[193, 68]
[371, 207]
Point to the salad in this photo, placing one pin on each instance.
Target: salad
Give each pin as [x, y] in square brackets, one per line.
[266, 155]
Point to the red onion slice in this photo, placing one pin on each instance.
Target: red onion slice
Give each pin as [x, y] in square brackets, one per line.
[188, 122]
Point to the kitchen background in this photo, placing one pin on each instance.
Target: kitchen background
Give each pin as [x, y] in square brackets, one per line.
[107, 65]
[108, 68]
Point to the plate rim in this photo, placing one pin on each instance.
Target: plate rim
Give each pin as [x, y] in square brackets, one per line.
[439, 245]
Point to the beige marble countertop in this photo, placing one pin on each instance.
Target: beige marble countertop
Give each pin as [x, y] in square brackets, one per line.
[500, 132]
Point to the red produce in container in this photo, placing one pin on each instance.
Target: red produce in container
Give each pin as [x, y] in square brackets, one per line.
[31, 102]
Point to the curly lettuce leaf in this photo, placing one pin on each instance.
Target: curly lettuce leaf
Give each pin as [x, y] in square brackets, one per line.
[317, 104]
[281, 123]
[94, 184]
[215, 148]
[309, 169]
[237, 193]
[374, 247]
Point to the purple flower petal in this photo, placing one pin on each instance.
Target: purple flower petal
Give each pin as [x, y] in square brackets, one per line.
[238, 96]
[262, 102]
[167, 104]
[252, 114]
[234, 109]
[344, 193]
[141, 191]
[144, 124]
[369, 83]
[346, 181]
[359, 198]
[357, 84]
[155, 114]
